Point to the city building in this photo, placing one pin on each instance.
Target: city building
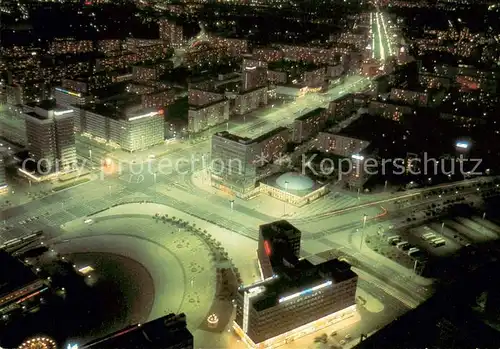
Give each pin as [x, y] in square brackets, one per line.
[342, 107]
[233, 167]
[235, 160]
[158, 99]
[370, 68]
[297, 298]
[247, 101]
[201, 97]
[293, 188]
[13, 94]
[131, 128]
[51, 139]
[270, 146]
[20, 288]
[62, 46]
[203, 117]
[253, 77]
[167, 332]
[309, 124]
[12, 125]
[171, 32]
[340, 145]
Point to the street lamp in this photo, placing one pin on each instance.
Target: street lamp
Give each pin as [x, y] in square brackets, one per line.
[363, 232]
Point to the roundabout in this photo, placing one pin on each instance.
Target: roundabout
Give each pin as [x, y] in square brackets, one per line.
[180, 263]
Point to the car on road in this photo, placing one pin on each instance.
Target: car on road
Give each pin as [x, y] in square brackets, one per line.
[88, 221]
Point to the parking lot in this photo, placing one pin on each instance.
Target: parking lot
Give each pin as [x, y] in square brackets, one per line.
[443, 238]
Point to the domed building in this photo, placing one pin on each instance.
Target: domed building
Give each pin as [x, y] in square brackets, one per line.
[293, 187]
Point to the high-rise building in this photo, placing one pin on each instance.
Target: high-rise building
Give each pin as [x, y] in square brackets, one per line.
[203, 117]
[247, 101]
[275, 234]
[309, 124]
[167, 332]
[131, 129]
[171, 32]
[254, 77]
[233, 163]
[50, 137]
[296, 298]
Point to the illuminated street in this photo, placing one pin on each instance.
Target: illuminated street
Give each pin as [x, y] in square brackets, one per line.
[381, 41]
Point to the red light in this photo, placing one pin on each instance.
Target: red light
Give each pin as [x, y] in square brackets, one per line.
[267, 247]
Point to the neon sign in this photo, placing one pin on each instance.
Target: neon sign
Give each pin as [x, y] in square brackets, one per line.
[68, 92]
[58, 113]
[304, 292]
[267, 247]
[153, 113]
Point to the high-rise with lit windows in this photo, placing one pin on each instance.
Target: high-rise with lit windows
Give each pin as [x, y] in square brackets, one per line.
[295, 297]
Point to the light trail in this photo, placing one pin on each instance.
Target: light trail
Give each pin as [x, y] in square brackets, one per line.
[382, 50]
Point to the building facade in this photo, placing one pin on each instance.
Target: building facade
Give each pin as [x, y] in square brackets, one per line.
[296, 298]
[233, 164]
[309, 124]
[203, 117]
[51, 139]
[248, 101]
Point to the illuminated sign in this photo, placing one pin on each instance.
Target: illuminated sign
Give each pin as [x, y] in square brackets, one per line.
[63, 112]
[307, 291]
[148, 115]
[68, 92]
[462, 145]
[267, 247]
[357, 157]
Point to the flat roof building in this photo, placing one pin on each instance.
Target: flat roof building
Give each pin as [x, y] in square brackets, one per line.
[232, 163]
[18, 284]
[50, 137]
[130, 129]
[297, 297]
[167, 332]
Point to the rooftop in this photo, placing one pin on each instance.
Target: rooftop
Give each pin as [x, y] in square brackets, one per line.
[300, 279]
[233, 137]
[269, 134]
[166, 332]
[13, 274]
[312, 113]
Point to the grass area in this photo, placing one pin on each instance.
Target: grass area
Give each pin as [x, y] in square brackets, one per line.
[379, 245]
[71, 184]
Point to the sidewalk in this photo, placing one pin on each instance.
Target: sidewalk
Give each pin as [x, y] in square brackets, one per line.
[262, 203]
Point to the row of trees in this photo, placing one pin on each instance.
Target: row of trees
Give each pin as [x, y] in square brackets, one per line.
[219, 254]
